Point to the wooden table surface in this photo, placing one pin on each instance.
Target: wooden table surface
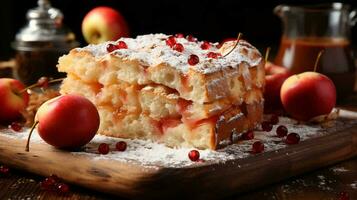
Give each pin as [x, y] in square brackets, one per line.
[324, 184]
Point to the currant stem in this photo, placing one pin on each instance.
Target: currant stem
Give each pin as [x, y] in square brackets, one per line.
[267, 52]
[36, 84]
[28, 139]
[56, 80]
[235, 46]
[318, 59]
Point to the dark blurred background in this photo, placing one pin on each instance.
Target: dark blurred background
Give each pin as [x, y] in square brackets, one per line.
[207, 20]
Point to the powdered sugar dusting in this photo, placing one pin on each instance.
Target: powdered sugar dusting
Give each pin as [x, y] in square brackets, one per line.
[152, 50]
[22, 135]
[150, 154]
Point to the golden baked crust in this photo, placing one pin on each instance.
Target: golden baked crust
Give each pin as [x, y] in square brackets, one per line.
[149, 91]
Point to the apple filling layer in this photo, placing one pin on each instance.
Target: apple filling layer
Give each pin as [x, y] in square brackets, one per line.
[157, 112]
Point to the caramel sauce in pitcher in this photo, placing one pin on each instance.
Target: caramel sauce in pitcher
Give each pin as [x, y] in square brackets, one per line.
[299, 55]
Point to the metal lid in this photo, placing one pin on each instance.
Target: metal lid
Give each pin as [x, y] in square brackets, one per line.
[44, 25]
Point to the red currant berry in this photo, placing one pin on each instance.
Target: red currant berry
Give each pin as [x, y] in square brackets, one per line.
[43, 82]
[249, 135]
[274, 119]
[171, 41]
[54, 177]
[44, 185]
[292, 138]
[113, 47]
[178, 47]
[62, 188]
[205, 45]
[281, 131]
[257, 147]
[122, 45]
[120, 146]
[194, 155]
[179, 35]
[344, 196]
[193, 59]
[48, 184]
[213, 55]
[103, 148]
[4, 170]
[191, 38]
[15, 126]
[267, 126]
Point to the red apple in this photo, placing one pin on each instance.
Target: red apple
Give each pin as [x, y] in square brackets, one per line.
[12, 100]
[102, 24]
[308, 95]
[274, 78]
[68, 121]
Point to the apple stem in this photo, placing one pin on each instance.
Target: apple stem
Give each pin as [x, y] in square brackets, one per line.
[37, 84]
[28, 139]
[317, 60]
[235, 46]
[267, 51]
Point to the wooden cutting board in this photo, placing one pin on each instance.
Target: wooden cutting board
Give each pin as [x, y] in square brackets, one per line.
[204, 180]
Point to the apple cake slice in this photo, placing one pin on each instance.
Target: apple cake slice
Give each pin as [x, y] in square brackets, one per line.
[173, 90]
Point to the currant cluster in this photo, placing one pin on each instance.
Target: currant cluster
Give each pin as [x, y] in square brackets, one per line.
[281, 130]
[176, 46]
[344, 196]
[192, 59]
[4, 170]
[104, 148]
[15, 126]
[43, 82]
[119, 45]
[54, 184]
[291, 138]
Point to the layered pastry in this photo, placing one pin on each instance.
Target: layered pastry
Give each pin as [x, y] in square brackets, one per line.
[170, 89]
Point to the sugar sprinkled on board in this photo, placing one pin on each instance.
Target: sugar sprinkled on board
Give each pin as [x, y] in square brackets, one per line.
[151, 154]
[354, 185]
[22, 135]
[339, 169]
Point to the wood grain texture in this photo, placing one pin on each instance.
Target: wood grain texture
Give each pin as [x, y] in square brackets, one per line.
[207, 181]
